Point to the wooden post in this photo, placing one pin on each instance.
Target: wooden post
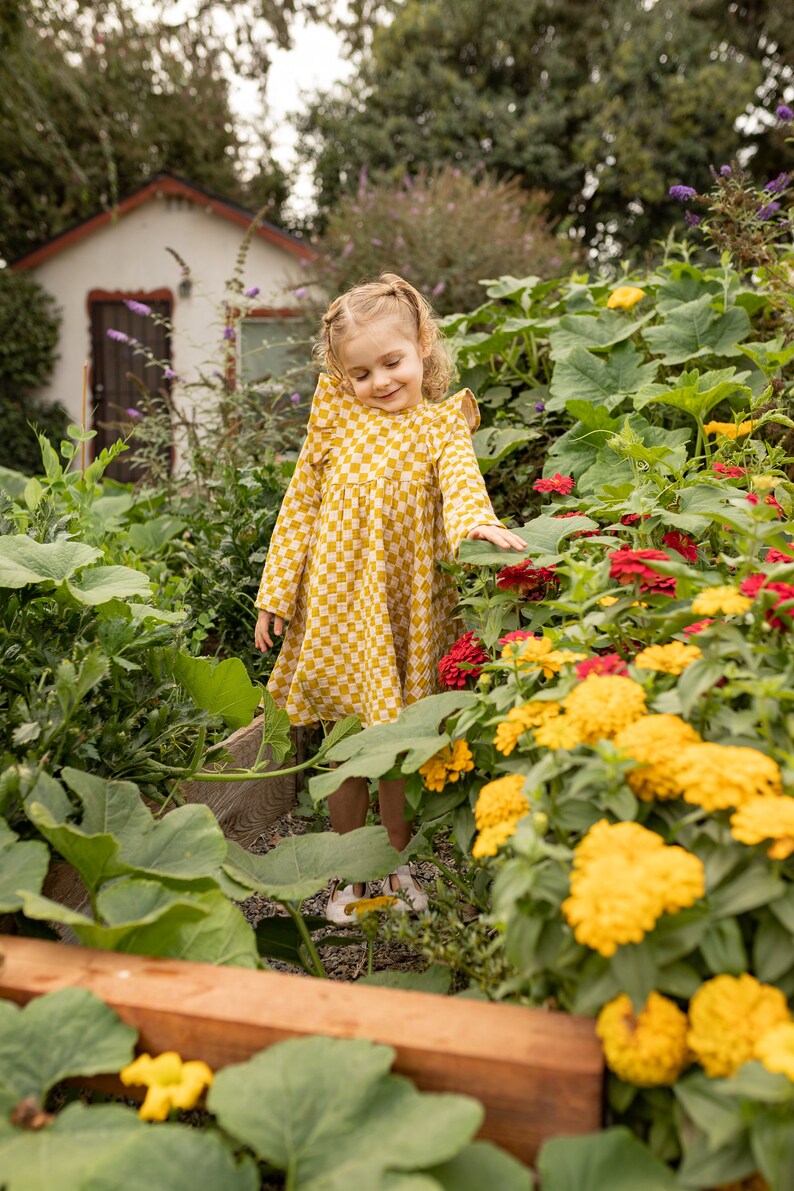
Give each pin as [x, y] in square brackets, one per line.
[538, 1074]
[83, 415]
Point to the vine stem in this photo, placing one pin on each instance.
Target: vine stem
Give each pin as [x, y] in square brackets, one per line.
[454, 879]
[303, 929]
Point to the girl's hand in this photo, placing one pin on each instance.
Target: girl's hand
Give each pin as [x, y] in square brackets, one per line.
[262, 638]
[498, 536]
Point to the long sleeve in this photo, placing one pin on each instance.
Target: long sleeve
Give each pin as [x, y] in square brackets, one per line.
[289, 544]
[466, 503]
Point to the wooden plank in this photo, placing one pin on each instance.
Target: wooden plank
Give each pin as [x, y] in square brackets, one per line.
[538, 1074]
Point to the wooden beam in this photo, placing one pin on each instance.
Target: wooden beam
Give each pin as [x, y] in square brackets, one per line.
[537, 1073]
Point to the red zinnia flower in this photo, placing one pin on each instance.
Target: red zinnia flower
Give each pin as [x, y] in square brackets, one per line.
[698, 626]
[626, 565]
[774, 555]
[732, 473]
[769, 499]
[563, 485]
[682, 544]
[516, 635]
[752, 584]
[608, 663]
[533, 582]
[755, 584]
[468, 651]
[633, 518]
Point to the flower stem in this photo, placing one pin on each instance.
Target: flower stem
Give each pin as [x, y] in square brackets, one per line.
[303, 929]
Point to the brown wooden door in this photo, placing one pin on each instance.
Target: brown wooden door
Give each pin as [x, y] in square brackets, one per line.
[125, 379]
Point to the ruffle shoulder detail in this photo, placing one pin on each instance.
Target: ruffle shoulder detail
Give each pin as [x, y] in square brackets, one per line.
[332, 407]
[450, 417]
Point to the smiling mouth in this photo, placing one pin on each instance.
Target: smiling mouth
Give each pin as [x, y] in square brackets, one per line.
[388, 396]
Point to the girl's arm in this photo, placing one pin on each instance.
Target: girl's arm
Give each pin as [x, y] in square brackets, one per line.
[289, 544]
[467, 508]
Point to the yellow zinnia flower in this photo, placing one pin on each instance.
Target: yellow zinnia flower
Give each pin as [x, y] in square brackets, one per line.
[624, 878]
[728, 1017]
[765, 483]
[501, 801]
[776, 1049]
[536, 653]
[519, 719]
[624, 297]
[717, 776]
[560, 732]
[654, 741]
[725, 599]
[648, 1049]
[603, 704]
[760, 819]
[672, 658]
[489, 841]
[728, 429]
[370, 905]
[170, 1082]
[447, 765]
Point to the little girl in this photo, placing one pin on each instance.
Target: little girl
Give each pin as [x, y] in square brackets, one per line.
[386, 483]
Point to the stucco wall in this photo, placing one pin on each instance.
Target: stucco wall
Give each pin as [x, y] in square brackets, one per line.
[130, 256]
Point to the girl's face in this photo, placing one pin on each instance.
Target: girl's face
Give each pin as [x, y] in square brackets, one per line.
[385, 365]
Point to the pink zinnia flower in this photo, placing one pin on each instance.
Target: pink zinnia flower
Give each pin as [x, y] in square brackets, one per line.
[607, 663]
[562, 485]
[698, 626]
[467, 652]
[516, 635]
[730, 472]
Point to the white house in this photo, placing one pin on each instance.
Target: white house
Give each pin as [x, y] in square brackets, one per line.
[93, 269]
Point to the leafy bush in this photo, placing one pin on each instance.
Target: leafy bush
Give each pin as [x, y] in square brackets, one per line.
[29, 324]
[441, 231]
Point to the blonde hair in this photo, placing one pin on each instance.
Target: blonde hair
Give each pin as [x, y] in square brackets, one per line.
[388, 297]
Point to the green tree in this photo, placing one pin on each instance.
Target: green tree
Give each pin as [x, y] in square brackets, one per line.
[602, 105]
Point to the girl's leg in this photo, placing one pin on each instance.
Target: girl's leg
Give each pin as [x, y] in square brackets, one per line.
[391, 795]
[347, 807]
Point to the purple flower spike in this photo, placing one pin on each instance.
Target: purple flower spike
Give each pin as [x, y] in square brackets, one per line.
[119, 336]
[300, 292]
[252, 291]
[169, 374]
[691, 219]
[540, 406]
[228, 333]
[768, 211]
[438, 288]
[777, 184]
[132, 413]
[784, 113]
[726, 171]
[137, 307]
[295, 398]
[682, 193]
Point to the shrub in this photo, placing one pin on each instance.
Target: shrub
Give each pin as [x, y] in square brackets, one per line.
[441, 231]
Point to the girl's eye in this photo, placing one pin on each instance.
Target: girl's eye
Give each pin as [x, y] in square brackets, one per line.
[392, 363]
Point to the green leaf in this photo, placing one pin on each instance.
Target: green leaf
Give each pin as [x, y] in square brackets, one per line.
[596, 331]
[613, 1160]
[770, 356]
[300, 866]
[752, 1081]
[481, 1165]
[106, 1147]
[704, 1101]
[697, 329]
[221, 688]
[492, 444]
[24, 561]
[13, 482]
[593, 421]
[635, 971]
[697, 393]
[374, 752]
[327, 1111]
[278, 937]
[436, 979]
[100, 584]
[772, 1143]
[756, 886]
[276, 728]
[704, 1167]
[604, 382]
[220, 935]
[23, 866]
[149, 537]
[543, 536]
[722, 947]
[65, 1033]
[773, 953]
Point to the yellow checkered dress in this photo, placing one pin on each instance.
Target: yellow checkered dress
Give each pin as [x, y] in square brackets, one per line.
[374, 500]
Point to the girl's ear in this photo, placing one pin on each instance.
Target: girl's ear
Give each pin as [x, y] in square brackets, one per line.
[425, 346]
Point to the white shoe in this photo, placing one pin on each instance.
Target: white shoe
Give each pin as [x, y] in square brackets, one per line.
[338, 901]
[415, 897]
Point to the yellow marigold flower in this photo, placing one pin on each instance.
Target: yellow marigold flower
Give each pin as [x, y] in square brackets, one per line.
[654, 741]
[624, 297]
[560, 732]
[603, 704]
[776, 1049]
[608, 601]
[765, 483]
[519, 719]
[370, 905]
[728, 429]
[447, 765]
[728, 1017]
[717, 776]
[766, 818]
[501, 801]
[672, 658]
[648, 1049]
[725, 599]
[170, 1082]
[624, 878]
[489, 841]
